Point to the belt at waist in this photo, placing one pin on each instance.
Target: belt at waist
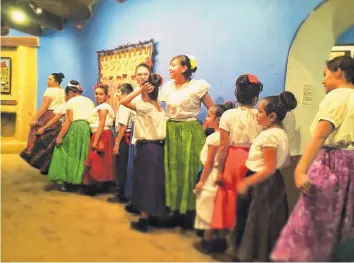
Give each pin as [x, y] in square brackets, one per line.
[150, 141]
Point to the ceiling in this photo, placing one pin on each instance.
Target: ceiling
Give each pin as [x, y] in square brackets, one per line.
[50, 13]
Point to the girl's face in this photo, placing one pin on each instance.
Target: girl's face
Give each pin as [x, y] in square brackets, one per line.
[211, 120]
[100, 95]
[176, 69]
[51, 81]
[142, 75]
[263, 119]
[330, 79]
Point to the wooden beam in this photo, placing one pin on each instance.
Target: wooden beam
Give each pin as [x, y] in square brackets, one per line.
[77, 9]
[19, 41]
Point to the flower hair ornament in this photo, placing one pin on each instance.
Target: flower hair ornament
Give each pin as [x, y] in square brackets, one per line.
[74, 86]
[193, 62]
[252, 79]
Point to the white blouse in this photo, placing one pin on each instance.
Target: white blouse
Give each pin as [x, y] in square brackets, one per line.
[126, 117]
[57, 95]
[94, 120]
[81, 106]
[61, 109]
[273, 137]
[183, 103]
[241, 123]
[212, 139]
[337, 107]
[150, 124]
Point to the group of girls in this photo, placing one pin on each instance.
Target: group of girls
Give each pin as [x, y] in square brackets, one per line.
[239, 187]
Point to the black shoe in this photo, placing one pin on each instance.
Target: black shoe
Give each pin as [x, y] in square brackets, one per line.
[142, 225]
[199, 232]
[44, 172]
[68, 188]
[117, 199]
[90, 190]
[131, 209]
[188, 220]
[203, 246]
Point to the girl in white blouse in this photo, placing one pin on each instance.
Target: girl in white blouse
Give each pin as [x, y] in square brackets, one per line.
[205, 189]
[185, 136]
[67, 165]
[52, 97]
[150, 132]
[262, 211]
[99, 162]
[323, 217]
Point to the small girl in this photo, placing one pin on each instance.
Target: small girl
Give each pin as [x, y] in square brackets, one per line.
[206, 189]
[99, 162]
[263, 211]
[150, 132]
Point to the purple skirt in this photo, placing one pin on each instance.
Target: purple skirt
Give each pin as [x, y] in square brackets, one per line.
[149, 179]
[324, 218]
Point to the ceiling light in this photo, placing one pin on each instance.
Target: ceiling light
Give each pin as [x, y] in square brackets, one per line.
[38, 10]
[18, 16]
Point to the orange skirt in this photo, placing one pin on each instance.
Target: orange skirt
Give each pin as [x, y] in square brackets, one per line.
[225, 203]
[100, 164]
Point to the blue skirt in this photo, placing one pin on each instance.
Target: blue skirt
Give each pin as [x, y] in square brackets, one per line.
[128, 188]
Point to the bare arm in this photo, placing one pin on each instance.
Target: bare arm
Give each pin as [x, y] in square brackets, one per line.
[121, 132]
[56, 118]
[270, 165]
[102, 114]
[127, 100]
[43, 108]
[66, 125]
[322, 131]
[207, 100]
[222, 149]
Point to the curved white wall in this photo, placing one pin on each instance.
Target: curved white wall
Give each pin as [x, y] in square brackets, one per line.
[308, 53]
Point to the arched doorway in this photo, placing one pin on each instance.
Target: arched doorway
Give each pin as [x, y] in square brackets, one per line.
[310, 49]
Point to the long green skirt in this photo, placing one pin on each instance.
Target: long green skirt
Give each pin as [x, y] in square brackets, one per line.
[69, 158]
[184, 141]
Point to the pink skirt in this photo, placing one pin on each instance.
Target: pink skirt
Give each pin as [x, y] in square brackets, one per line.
[225, 203]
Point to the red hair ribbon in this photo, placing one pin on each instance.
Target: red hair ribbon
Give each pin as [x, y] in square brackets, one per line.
[229, 101]
[252, 79]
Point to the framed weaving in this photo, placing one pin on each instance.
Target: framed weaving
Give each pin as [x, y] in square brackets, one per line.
[118, 65]
[6, 68]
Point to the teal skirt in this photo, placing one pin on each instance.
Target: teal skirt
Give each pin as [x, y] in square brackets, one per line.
[183, 144]
[69, 158]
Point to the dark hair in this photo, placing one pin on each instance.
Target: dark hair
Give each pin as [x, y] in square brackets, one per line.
[246, 91]
[126, 88]
[185, 61]
[102, 86]
[58, 77]
[221, 108]
[73, 89]
[346, 64]
[280, 105]
[144, 65]
[156, 81]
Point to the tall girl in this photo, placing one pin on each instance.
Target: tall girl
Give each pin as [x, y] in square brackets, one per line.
[99, 163]
[324, 214]
[36, 152]
[73, 141]
[262, 211]
[150, 132]
[205, 189]
[185, 136]
[238, 130]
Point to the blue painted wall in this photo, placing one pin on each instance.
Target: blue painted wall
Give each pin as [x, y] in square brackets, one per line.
[347, 37]
[228, 38]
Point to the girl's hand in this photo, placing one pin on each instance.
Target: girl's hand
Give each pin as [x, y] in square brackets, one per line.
[33, 123]
[218, 180]
[242, 188]
[59, 141]
[94, 146]
[199, 186]
[147, 88]
[40, 131]
[302, 181]
[116, 149]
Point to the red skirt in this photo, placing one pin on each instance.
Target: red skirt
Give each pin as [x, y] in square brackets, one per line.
[100, 165]
[225, 203]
